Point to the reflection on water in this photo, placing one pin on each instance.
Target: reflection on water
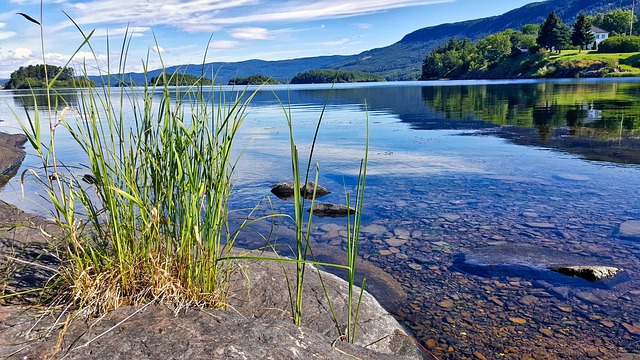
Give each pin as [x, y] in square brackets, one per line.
[25, 99]
[448, 178]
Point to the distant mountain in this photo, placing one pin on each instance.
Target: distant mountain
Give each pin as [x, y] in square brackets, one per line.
[402, 60]
[281, 70]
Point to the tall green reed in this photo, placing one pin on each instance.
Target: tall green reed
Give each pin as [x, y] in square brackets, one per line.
[303, 229]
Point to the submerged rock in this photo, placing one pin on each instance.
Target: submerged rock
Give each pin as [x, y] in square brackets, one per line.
[630, 230]
[539, 263]
[589, 272]
[284, 190]
[332, 210]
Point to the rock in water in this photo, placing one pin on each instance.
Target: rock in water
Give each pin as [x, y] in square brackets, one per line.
[284, 190]
[630, 230]
[591, 273]
[307, 190]
[332, 210]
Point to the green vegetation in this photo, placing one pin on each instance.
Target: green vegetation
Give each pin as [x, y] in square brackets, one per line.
[451, 60]
[499, 55]
[334, 76]
[617, 22]
[254, 80]
[620, 44]
[179, 79]
[38, 76]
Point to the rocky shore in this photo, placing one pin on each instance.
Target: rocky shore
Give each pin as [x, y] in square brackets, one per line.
[257, 324]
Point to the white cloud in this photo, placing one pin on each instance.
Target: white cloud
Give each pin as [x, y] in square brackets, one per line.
[335, 43]
[134, 31]
[157, 49]
[251, 33]
[363, 26]
[210, 15]
[224, 44]
[324, 9]
[4, 35]
[21, 53]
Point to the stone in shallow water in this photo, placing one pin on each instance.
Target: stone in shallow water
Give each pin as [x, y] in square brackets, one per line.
[591, 273]
[573, 177]
[284, 190]
[630, 230]
[332, 210]
[374, 229]
[450, 217]
[395, 242]
[540, 225]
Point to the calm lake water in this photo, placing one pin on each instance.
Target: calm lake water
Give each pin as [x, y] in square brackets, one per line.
[473, 190]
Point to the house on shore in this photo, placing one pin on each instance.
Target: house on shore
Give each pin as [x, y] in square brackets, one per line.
[599, 35]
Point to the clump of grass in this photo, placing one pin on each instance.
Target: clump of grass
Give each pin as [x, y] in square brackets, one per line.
[154, 222]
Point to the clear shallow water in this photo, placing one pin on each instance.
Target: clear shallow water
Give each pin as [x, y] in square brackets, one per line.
[455, 168]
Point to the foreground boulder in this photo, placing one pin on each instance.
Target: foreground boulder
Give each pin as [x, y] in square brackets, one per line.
[589, 272]
[261, 293]
[284, 190]
[155, 332]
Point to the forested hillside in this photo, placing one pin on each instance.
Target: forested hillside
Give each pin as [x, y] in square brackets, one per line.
[402, 60]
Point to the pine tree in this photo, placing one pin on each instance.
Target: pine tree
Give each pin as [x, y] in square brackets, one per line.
[581, 34]
[545, 36]
[561, 37]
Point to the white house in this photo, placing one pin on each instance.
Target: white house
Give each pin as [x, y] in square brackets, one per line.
[599, 35]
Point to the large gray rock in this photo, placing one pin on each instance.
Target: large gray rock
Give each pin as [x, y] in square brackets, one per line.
[630, 230]
[11, 155]
[156, 332]
[591, 273]
[263, 293]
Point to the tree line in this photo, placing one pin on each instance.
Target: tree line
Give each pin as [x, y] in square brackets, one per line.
[35, 76]
[334, 76]
[179, 79]
[462, 56]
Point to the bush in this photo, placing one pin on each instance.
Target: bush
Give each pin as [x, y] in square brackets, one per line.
[620, 44]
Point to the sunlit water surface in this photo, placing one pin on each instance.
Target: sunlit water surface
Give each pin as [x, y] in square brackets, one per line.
[471, 189]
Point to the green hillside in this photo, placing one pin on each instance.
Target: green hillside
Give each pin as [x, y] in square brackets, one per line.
[402, 60]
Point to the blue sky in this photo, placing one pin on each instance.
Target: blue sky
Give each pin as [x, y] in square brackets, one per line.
[239, 29]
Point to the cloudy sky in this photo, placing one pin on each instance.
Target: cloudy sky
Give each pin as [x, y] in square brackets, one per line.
[237, 29]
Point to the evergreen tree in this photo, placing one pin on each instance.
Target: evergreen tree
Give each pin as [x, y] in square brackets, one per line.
[545, 36]
[581, 34]
[561, 38]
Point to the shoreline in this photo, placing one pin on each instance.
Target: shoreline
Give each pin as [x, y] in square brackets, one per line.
[256, 325]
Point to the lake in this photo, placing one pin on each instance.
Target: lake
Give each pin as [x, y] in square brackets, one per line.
[473, 190]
